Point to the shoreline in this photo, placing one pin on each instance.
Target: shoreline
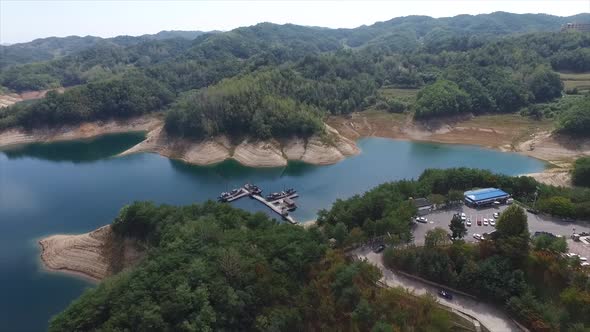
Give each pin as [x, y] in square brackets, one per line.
[252, 153]
[12, 138]
[316, 150]
[78, 255]
[92, 256]
[338, 143]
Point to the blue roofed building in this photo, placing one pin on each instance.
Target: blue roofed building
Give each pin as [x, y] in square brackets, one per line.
[486, 196]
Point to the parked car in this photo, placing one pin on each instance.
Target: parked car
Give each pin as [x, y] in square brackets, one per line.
[492, 222]
[496, 215]
[585, 264]
[571, 255]
[446, 294]
[583, 259]
[477, 236]
[478, 222]
[422, 220]
[468, 222]
[485, 221]
[379, 248]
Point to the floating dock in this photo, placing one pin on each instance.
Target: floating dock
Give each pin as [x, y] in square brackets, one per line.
[243, 193]
[274, 208]
[295, 195]
[276, 205]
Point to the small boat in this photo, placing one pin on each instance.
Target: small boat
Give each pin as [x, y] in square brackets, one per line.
[289, 204]
[223, 197]
[282, 194]
[253, 189]
[226, 196]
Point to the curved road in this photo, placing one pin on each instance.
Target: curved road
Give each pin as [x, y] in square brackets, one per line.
[491, 317]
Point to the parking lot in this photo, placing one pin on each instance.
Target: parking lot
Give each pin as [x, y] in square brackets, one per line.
[537, 223]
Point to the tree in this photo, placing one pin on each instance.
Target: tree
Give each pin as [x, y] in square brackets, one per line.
[512, 237]
[558, 206]
[363, 314]
[581, 172]
[457, 227]
[381, 326]
[545, 84]
[547, 242]
[454, 196]
[436, 237]
[576, 120]
[436, 199]
[340, 233]
[443, 98]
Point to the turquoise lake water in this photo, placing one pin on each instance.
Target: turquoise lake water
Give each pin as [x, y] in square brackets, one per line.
[76, 187]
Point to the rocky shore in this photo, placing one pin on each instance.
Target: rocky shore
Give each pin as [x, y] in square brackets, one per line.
[12, 137]
[94, 255]
[316, 150]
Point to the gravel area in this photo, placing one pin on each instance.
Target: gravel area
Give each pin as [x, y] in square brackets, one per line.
[442, 218]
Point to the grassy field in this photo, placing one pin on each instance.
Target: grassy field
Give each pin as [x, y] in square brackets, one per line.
[516, 128]
[581, 81]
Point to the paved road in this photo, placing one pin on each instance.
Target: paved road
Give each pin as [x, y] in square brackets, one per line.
[442, 218]
[492, 318]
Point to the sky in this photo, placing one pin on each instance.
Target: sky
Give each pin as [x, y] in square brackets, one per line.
[22, 20]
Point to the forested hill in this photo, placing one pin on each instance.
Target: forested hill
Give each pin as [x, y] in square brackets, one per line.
[219, 83]
[44, 49]
[499, 23]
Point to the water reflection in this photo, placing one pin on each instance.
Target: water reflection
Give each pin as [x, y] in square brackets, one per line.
[230, 171]
[82, 151]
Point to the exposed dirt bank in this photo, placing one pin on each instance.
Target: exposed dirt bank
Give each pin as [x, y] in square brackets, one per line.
[12, 98]
[329, 149]
[554, 176]
[94, 255]
[12, 137]
[316, 150]
[502, 132]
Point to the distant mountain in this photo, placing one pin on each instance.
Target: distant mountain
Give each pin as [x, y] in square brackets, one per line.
[498, 23]
[44, 49]
[207, 57]
[169, 34]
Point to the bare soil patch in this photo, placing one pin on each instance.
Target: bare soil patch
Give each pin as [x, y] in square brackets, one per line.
[94, 255]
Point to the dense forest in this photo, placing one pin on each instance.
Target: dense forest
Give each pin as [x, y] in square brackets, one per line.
[212, 267]
[534, 281]
[273, 80]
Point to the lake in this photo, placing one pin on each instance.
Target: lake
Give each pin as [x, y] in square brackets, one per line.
[75, 187]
